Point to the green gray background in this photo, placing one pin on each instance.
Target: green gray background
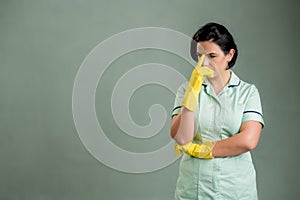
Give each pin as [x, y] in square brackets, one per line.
[42, 45]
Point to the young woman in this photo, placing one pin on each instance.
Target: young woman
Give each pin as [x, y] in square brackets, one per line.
[216, 121]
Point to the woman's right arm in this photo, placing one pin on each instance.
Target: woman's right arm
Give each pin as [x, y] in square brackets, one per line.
[182, 127]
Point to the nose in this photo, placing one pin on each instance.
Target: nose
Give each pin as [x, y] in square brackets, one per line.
[206, 61]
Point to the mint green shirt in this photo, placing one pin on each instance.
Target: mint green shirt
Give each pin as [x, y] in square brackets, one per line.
[219, 117]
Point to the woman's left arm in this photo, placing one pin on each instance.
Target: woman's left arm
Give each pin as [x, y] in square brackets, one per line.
[246, 140]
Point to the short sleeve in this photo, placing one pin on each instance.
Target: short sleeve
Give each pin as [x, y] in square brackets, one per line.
[178, 99]
[253, 108]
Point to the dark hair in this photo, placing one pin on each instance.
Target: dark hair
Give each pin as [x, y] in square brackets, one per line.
[218, 34]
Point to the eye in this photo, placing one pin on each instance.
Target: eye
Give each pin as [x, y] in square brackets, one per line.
[211, 56]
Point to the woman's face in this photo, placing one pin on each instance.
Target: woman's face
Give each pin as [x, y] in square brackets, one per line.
[215, 57]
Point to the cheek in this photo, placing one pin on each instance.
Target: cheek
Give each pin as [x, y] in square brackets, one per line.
[219, 62]
[222, 62]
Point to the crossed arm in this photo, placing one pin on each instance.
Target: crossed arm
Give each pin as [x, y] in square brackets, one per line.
[182, 131]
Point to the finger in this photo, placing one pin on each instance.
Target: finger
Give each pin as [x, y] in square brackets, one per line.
[201, 60]
[205, 71]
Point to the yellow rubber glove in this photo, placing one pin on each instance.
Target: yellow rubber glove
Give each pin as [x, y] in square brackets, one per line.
[203, 150]
[191, 94]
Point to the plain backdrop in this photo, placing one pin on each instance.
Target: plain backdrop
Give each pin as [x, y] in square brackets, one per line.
[42, 45]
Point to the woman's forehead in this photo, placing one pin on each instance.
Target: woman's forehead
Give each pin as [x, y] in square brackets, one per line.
[207, 47]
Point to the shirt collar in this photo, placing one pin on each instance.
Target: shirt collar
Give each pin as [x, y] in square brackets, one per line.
[233, 82]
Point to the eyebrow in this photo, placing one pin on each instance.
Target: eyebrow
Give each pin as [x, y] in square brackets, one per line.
[212, 53]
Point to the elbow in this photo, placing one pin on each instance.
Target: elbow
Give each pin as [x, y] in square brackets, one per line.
[250, 144]
[250, 147]
[250, 134]
[182, 140]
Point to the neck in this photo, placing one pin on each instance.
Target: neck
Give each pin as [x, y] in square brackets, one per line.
[220, 81]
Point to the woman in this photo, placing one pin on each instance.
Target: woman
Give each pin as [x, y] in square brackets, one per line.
[217, 120]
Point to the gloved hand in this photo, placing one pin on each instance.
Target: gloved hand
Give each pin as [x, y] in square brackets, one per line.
[191, 94]
[203, 150]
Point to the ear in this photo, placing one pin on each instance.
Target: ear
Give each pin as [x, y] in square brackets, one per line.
[230, 55]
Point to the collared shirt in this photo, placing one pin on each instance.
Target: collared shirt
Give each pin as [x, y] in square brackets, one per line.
[219, 117]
